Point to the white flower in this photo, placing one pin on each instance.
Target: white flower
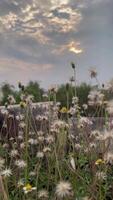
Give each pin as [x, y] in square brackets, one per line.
[28, 188]
[20, 183]
[32, 141]
[75, 100]
[95, 98]
[77, 146]
[4, 112]
[59, 124]
[29, 99]
[108, 157]
[101, 175]
[63, 189]
[108, 135]
[11, 99]
[6, 173]
[110, 107]
[85, 106]
[20, 164]
[22, 145]
[83, 121]
[49, 139]
[22, 124]
[41, 139]
[72, 110]
[46, 149]
[32, 173]
[43, 194]
[14, 153]
[20, 117]
[40, 155]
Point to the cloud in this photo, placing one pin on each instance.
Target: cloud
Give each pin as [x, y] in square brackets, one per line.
[72, 46]
[10, 65]
[36, 18]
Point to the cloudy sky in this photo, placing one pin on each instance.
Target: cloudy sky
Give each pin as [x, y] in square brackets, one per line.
[39, 39]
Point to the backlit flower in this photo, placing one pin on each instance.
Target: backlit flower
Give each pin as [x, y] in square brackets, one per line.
[63, 189]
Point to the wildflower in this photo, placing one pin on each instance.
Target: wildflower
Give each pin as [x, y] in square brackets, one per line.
[95, 134]
[46, 149]
[41, 139]
[4, 125]
[20, 164]
[85, 106]
[20, 183]
[11, 99]
[31, 133]
[22, 145]
[109, 108]
[23, 104]
[22, 125]
[73, 65]
[101, 175]
[59, 124]
[95, 98]
[99, 162]
[43, 194]
[92, 145]
[11, 138]
[45, 95]
[29, 99]
[77, 146]
[32, 141]
[53, 89]
[14, 153]
[20, 137]
[93, 73]
[63, 189]
[49, 139]
[10, 116]
[32, 173]
[28, 188]
[108, 135]
[75, 100]
[85, 121]
[5, 145]
[20, 117]
[6, 173]
[40, 133]
[40, 154]
[21, 86]
[108, 158]
[64, 110]
[4, 111]
[73, 111]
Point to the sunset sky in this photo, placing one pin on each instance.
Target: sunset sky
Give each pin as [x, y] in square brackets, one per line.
[40, 38]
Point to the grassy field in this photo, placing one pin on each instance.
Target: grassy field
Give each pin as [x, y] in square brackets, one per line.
[53, 152]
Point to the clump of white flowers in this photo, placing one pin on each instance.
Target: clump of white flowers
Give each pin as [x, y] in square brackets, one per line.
[64, 189]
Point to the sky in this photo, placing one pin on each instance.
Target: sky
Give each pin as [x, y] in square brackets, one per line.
[40, 38]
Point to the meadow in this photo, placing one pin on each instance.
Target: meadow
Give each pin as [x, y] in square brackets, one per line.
[48, 151]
